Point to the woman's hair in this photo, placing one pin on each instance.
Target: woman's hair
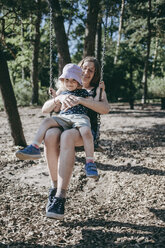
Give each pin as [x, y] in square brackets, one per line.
[96, 78]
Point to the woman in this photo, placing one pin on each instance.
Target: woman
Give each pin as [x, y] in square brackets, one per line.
[60, 146]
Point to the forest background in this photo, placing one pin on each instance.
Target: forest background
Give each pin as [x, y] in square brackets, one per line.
[37, 38]
[125, 208]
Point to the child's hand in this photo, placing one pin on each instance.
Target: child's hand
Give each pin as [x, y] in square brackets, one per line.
[52, 92]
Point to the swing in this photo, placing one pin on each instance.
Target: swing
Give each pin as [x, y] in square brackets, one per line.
[50, 49]
[96, 143]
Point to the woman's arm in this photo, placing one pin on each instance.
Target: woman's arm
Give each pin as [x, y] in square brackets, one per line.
[101, 107]
[68, 101]
[100, 103]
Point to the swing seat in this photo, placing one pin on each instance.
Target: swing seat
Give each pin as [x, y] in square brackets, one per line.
[97, 148]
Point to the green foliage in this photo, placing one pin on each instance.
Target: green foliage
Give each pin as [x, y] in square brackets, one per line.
[156, 87]
[122, 80]
[23, 93]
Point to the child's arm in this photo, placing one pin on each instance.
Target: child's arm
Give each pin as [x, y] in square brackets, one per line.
[55, 95]
[52, 92]
[51, 105]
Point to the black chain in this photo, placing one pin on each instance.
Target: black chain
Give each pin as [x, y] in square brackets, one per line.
[102, 71]
[51, 50]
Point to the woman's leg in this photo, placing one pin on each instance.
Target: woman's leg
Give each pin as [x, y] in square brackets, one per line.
[69, 139]
[52, 150]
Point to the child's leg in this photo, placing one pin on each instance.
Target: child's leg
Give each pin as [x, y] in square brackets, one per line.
[87, 137]
[45, 125]
[90, 166]
[32, 151]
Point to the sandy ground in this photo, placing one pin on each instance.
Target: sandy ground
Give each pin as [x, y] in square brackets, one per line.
[125, 208]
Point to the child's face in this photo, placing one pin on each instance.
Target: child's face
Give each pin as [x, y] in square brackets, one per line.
[70, 84]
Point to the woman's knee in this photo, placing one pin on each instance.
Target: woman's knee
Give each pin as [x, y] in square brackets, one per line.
[52, 136]
[70, 138]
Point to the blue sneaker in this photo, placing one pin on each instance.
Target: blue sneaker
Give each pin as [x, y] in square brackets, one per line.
[28, 153]
[52, 193]
[91, 170]
[56, 210]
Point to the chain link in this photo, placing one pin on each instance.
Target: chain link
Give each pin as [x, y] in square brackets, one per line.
[101, 79]
[50, 48]
[104, 46]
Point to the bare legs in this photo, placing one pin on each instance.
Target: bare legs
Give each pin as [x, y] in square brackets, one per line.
[52, 151]
[87, 140]
[45, 125]
[69, 139]
[60, 164]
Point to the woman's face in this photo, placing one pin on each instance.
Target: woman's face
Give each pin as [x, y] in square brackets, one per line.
[88, 69]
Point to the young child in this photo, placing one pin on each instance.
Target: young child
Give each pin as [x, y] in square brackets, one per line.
[74, 117]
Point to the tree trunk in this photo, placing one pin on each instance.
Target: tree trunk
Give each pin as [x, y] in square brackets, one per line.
[91, 27]
[61, 37]
[36, 55]
[131, 89]
[155, 59]
[144, 80]
[10, 104]
[22, 48]
[163, 103]
[120, 31]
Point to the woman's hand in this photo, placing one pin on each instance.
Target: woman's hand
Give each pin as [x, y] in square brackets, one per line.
[69, 102]
[100, 90]
[102, 85]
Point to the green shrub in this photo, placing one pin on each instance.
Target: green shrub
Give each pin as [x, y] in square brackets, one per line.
[23, 94]
[156, 87]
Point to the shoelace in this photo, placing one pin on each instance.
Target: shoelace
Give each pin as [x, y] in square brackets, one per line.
[58, 202]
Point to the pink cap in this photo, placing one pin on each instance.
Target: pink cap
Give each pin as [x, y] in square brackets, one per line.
[72, 71]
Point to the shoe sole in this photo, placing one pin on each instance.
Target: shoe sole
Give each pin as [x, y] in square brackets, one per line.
[23, 156]
[93, 176]
[55, 216]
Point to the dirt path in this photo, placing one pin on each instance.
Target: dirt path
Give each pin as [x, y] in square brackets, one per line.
[125, 208]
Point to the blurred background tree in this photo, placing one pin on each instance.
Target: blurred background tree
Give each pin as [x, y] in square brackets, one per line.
[135, 51]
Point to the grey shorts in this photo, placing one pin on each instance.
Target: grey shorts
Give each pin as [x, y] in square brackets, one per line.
[72, 121]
